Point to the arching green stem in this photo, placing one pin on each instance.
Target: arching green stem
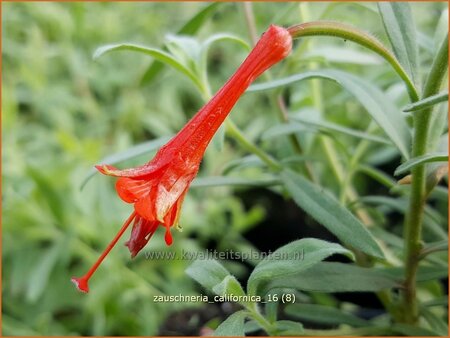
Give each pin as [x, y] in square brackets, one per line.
[347, 32]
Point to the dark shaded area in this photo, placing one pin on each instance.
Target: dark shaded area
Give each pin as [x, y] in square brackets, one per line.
[293, 223]
[191, 322]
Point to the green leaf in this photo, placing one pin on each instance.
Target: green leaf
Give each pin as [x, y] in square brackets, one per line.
[156, 53]
[229, 285]
[42, 270]
[399, 25]
[222, 37]
[324, 315]
[14, 327]
[328, 212]
[190, 28]
[350, 33]
[378, 105]
[377, 175]
[251, 326]
[336, 277]
[219, 138]
[414, 162]
[436, 323]
[46, 186]
[283, 130]
[427, 102]
[424, 273]
[430, 248]
[217, 181]
[292, 259]
[432, 220]
[232, 326]
[206, 46]
[441, 301]
[437, 121]
[185, 49]
[414, 331]
[207, 273]
[344, 54]
[195, 23]
[130, 153]
[325, 125]
[243, 162]
[289, 328]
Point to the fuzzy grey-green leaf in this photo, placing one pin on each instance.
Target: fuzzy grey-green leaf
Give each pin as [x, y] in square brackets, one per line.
[377, 104]
[336, 277]
[413, 162]
[399, 25]
[232, 326]
[207, 273]
[324, 315]
[291, 259]
[156, 53]
[327, 211]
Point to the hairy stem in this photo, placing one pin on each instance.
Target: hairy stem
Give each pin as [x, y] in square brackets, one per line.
[414, 217]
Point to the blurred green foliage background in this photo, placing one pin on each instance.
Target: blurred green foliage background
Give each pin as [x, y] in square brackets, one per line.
[62, 112]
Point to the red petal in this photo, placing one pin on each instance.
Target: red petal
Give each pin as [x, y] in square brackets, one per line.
[143, 171]
[141, 233]
[145, 207]
[130, 190]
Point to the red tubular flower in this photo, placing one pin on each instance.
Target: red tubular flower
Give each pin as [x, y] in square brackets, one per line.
[157, 189]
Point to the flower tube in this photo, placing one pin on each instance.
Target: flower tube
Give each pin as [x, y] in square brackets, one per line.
[157, 188]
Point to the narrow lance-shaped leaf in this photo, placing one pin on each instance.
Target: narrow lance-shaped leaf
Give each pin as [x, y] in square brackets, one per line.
[292, 259]
[413, 330]
[336, 277]
[347, 32]
[190, 28]
[325, 125]
[427, 102]
[207, 273]
[42, 271]
[436, 322]
[130, 153]
[217, 181]
[324, 315]
[378, 105]
[206, 45]
[229, 285]
[155, 53]
[437, 121]
[327, 211]
[414, 162]
[289, 328]
[399, 25]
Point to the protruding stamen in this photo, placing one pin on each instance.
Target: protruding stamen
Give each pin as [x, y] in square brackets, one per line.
[82, 282]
